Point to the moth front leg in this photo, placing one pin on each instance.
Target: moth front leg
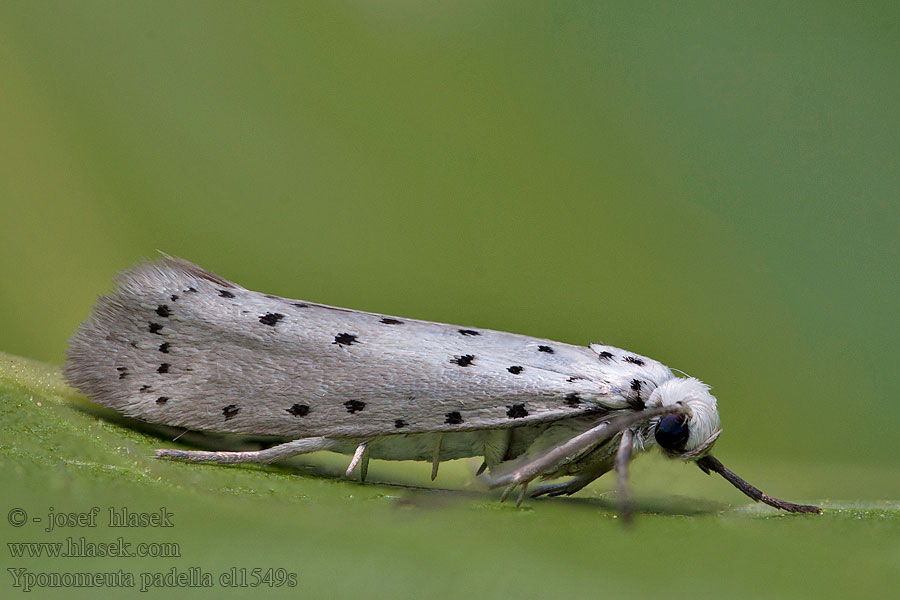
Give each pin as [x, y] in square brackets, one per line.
[622, 460]
[553, 460]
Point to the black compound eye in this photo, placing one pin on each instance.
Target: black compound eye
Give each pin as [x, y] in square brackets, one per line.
[672, 432]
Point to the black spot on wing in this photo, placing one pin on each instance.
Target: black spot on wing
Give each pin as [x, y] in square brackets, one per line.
[190, 290]
[163, 368]
[123, 372]
[162, 399]
[345, 339]
[271, 319]
[390, 321]
[453, 418]
[300, 305]
[636, 403]
[226, 294]
[546, 349]
[164, 347]
[299, 410]
[516, 411]
[573, 400]
[174, 297]
[634, 400]
[163, 310]
[354, 406]
[469, 332]
[145, 388]
[605, 355]
[400, 424]
[230, 411]
[634, 360]
[463, 361]
[155, 328]
[515, 369]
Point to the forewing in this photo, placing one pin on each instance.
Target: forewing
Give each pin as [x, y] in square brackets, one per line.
[178, 345]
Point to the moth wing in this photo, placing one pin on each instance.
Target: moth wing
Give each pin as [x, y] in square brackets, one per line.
[178, 345]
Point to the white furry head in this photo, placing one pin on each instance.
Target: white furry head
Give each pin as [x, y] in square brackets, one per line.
[699, 424]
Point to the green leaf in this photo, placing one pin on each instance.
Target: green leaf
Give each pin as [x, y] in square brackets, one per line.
[400, 536]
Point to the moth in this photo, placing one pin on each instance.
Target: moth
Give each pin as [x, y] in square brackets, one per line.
[177, 345]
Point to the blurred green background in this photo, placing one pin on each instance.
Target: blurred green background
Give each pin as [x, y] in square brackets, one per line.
[710, 185]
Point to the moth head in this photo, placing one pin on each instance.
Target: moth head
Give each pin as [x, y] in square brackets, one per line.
[691, 433]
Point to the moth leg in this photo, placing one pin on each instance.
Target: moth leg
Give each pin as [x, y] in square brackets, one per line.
[622, 460]
[567, 488]
[361, 458]
[288, 449]
[522, 494]
[552, 460]
[364, 466]
[436, 458]
[496, 445]
[580, 481]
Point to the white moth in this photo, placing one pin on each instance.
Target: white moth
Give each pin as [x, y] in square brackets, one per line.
[177, 345]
